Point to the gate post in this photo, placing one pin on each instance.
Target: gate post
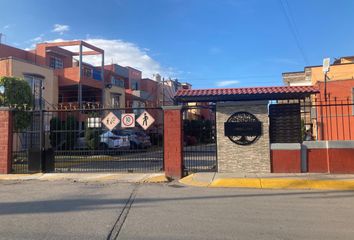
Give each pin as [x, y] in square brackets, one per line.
[5, 140]
[173, 142]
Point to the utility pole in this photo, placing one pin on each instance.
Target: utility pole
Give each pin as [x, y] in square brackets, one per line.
[325, 69]
[163, 91]
[325, 86]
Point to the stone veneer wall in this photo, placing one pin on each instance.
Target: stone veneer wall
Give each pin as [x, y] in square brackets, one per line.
[233, 158]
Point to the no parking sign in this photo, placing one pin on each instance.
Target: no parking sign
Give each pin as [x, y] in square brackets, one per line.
[128, 120]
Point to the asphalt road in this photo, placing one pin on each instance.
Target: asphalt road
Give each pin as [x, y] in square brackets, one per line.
[73, 210]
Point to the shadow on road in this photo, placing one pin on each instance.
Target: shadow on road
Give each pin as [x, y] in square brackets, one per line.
[84, 204]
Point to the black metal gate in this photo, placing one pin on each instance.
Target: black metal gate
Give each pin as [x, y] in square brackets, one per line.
[285, 123]
[199, 131]
[79, 140]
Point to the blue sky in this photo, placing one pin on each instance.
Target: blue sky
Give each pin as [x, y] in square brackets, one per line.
[225, 43]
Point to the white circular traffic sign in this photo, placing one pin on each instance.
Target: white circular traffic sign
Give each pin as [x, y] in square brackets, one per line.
[128, 120]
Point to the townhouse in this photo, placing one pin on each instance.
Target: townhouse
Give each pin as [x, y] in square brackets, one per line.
[329, 115]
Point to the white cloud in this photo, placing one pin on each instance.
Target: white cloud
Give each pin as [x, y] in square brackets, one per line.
[227, 83]
[61, 29]
[6, 27]
[37, 39]
[125, 54]
[128, 54]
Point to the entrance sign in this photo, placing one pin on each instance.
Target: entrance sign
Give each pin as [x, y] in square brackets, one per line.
[111, 121]
[145, 120]
[128, 120]
[243, 128]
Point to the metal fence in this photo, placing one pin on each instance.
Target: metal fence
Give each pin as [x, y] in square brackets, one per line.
[199, 131]
[79, 140]
[330, 119]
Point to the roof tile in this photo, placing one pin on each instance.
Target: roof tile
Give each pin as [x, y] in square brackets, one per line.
[246, 91]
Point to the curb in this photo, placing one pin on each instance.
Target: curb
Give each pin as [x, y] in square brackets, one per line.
[191, 182]
[272, 183]
[156, 179]
[99, 177]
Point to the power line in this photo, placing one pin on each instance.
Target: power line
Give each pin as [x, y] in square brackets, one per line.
[292, 26]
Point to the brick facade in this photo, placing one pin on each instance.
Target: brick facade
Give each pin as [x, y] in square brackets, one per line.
[5, 141]
[173, 142]
[243, 159]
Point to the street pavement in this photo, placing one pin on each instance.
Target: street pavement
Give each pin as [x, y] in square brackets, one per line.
[113, 210]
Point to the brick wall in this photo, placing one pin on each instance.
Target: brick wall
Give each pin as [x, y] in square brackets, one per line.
[5, 141]
[173, 143]
[237, 158]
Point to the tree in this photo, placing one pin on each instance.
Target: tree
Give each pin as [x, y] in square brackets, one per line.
[55, 133]
[71, 126]
[17, 92]
[92, 137]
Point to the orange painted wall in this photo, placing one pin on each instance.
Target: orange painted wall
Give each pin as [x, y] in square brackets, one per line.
[336, 72]
[336, 122]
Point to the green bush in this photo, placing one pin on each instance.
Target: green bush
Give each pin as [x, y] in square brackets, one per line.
[18, 93]
[70, 134]
[55, 135]
[92, 138]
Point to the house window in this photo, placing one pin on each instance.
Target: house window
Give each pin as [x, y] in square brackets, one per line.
[56, 63]
[115, 100]
[36, 83]
[135, 85]
[117, 82]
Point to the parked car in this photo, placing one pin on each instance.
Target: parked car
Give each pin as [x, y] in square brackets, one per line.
[138, 139]
[114, 140]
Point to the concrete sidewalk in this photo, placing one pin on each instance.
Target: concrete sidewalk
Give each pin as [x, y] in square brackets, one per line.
[89, 177]
[272, 181]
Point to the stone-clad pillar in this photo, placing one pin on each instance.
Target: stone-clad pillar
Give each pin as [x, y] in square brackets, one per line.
[5, 140]
[254, 158]
[173, 142]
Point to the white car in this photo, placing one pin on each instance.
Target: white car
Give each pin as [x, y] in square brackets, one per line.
[111, 139]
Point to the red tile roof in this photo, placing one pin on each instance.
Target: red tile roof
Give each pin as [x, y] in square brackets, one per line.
[251, 93]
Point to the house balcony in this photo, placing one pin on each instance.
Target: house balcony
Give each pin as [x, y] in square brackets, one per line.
[142, 95]
[70, 77]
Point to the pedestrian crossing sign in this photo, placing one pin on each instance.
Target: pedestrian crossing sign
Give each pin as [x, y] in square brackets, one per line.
[145, 120]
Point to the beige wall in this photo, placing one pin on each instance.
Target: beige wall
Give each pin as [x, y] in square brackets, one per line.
[114, 89]
[254, 158]
[17, 68]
